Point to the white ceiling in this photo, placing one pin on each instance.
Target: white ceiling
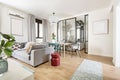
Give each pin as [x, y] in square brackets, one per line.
[62, 8]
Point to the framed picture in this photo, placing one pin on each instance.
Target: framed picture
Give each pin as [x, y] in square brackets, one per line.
[100, 27]
[16, 26]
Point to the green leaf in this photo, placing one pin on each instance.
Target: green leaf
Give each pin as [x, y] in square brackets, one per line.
[0, 51]
[2, 42]
[6, 36]
[12, 37]
[9, 44]
[6, 44]
[8, 51]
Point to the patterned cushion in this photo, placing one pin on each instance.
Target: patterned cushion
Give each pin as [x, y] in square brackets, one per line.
[18, 45]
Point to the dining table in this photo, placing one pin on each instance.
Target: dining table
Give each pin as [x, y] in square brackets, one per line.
[56, 44]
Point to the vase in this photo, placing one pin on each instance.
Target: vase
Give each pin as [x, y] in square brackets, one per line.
[3, 66]
[53, 41]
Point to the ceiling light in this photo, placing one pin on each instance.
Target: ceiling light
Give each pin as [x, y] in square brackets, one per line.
[53, 18]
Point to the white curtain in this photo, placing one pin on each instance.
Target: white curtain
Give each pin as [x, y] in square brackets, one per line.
[45, 30]
[31, 28]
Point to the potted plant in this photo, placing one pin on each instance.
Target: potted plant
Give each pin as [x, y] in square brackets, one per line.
[6, 43]
[53, 37]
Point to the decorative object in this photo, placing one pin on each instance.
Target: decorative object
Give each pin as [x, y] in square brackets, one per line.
[100, 27]
[5, 49]
[88, 70]
[53, 38]
[16, 26]
[18, 45]
[55, 61]
[3, 66]
[53, 18]
[17, 71]
[55, 45]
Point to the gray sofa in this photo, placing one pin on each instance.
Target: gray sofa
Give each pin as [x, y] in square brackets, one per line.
[38, 54]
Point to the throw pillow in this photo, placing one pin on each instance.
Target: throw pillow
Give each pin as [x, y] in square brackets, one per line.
[16, 46]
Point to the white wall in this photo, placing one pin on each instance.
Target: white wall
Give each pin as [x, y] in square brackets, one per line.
[118, 36]
[100, 44]
[5, 22]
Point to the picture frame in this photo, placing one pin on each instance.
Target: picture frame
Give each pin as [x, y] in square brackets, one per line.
[101, 27]
[16, 26]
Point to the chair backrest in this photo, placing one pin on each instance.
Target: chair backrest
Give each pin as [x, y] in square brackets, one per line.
[74, 46]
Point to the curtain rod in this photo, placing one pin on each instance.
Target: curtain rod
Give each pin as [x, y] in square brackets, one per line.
[16, 15]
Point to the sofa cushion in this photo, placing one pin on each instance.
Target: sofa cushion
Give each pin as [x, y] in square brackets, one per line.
[23, 44]
[20, 54]
[38, 46]
[45, 43]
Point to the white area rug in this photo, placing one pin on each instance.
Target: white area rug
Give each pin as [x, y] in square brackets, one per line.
[88, 70]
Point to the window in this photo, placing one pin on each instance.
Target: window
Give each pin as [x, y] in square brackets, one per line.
[39, 30]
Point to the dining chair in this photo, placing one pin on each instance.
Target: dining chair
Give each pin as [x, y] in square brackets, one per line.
[74, 48]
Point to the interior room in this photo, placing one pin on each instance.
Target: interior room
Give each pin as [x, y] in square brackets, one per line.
[59, 40]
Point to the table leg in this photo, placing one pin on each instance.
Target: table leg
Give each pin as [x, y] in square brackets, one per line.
[64, 50]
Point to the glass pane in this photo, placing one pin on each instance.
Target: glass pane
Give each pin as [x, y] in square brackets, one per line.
[78, 34]
[61, 30]
[40, 30]
[70, 30]
[66, 30]
[36, 29]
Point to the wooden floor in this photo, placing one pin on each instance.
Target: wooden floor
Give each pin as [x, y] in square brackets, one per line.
[70, 64]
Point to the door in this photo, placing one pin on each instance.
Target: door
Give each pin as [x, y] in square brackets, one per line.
[86, 34]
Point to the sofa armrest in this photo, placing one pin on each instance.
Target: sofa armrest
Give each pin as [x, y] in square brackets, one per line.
[39, 56]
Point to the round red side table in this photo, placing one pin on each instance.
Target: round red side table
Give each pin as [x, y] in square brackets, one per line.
[55, 61]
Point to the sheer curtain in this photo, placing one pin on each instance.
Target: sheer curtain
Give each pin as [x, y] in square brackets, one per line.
[45, 30]
[31, 28]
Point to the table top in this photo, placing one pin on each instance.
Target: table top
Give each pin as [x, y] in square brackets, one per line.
[65, 43]
[17, 71]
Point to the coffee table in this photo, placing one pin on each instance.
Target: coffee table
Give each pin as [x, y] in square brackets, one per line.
[17, 71]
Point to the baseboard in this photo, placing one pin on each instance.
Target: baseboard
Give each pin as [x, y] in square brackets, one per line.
[99, 54]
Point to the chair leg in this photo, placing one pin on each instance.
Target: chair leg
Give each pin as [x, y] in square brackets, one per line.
[71, 54]
[78, 53]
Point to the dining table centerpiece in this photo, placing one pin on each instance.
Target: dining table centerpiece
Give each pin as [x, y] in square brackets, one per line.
[53, 38]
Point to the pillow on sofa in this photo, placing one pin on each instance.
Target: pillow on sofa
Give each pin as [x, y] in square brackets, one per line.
[45, 43]
[18, 45]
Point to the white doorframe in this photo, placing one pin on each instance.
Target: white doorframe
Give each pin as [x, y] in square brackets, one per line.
[116, 43]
